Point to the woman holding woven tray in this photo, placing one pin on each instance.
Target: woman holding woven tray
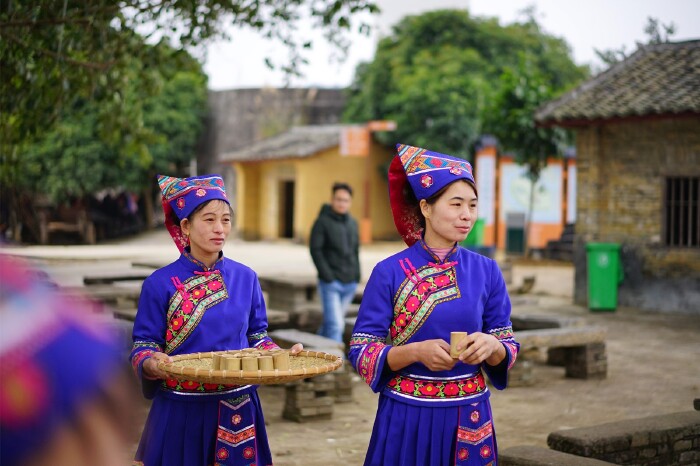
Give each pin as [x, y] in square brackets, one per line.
[433, 409]
[201, 302]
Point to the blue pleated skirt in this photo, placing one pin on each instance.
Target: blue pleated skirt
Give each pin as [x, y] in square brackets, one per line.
[204, 431]
[408, 435]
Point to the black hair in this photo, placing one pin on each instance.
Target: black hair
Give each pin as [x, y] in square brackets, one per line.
[177, 219]
[345, 186]
[413, 201]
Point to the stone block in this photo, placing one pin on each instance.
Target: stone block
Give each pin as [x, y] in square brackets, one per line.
[521, 374]
[689, 458]
[586, 362]
[289, 336]
[309, 403]
[647, 453]
[343, 383]
[640, 439]
[681, 445]
[308, 399]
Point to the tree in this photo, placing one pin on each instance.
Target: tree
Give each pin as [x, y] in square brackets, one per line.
[68, 69]
[53, 51]
[437, 72]
[78, 156]
[523, 89]
[167, 103]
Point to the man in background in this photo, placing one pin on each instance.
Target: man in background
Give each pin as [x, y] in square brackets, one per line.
[334, 248]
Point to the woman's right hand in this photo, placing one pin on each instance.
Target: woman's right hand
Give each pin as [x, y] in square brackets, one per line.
[435, 354]
[150, 366]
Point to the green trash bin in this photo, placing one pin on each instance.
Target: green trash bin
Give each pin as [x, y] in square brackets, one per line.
[476, 235]
[604, 274]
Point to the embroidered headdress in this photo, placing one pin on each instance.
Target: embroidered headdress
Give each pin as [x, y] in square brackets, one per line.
[54, 358]
[426, 172]
[182, 195]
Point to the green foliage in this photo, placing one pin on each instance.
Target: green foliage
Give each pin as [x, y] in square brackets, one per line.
[85, 104]
[438, 73]
[522, 90]
[81, 155]
[55, 51]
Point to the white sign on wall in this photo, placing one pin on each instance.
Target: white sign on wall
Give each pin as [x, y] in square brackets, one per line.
[485, 175]
[515, 193]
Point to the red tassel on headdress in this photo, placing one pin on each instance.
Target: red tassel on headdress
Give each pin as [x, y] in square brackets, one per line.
[179, 238]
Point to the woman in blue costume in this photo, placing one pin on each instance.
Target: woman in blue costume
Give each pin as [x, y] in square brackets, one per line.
[201, 302]
[433, 409]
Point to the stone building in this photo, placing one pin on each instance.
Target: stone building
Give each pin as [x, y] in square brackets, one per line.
[637, 129]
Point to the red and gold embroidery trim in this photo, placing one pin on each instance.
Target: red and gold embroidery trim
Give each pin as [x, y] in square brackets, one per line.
[142, 350]
[236, 438]
[436, 389]
[189, 386]
[184, 313]
[474, 436]
[417, 297]
[505, 336]
[369, 360]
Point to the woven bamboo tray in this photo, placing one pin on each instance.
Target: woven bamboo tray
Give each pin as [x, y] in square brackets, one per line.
[198, 368]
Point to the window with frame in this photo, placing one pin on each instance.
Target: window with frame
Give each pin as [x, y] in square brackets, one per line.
[682, 211]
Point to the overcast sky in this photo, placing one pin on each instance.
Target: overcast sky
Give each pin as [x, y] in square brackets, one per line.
[589, 25]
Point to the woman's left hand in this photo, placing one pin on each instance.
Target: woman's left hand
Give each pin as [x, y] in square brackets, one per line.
[296, 348]
[481, 347]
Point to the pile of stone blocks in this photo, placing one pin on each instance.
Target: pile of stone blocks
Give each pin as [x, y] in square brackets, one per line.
[343, 383]
[310, 399]
[313, 398]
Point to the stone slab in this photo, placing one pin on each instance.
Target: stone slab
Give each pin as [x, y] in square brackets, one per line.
[621, 435]
[560, 337]
[289, 336]
[527, 455]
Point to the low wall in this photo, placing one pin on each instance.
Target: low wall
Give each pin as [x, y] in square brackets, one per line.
[666, 440]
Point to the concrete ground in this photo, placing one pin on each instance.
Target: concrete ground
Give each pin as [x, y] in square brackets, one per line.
[653, 358]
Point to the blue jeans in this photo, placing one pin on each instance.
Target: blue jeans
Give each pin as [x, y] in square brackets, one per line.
[335, 298]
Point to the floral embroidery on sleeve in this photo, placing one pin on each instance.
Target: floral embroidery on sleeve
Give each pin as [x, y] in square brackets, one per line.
[261, 340]
[505, 336]
[368, 359]
[142, 350]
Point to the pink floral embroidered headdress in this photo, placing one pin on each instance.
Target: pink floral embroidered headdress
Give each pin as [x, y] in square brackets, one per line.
[183, 195]
[426, 172]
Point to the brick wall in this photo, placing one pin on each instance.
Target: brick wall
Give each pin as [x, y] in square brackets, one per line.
[621, 167]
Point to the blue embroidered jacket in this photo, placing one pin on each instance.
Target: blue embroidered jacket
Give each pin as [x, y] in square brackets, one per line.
[412, 296]
[186, 308]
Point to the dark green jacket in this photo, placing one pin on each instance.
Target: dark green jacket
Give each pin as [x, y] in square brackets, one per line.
[335, 246]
